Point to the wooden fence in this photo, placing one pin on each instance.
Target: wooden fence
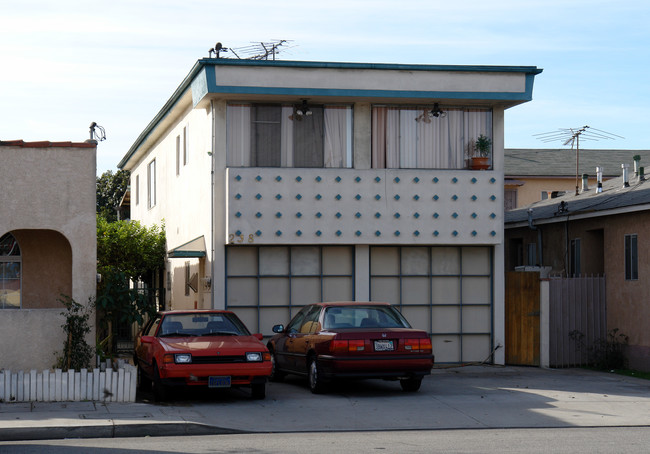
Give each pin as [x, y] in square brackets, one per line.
[104, 384]
[576, 304]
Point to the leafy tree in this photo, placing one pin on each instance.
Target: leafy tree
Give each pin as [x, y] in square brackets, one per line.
[77, 354]
[127, 252]
[110, 190]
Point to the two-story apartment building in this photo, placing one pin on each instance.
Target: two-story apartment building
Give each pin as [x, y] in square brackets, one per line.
[282, 183]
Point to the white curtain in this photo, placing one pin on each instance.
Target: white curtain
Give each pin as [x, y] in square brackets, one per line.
[238, 135]
[286, 137]
[336, 139]
[409, 138]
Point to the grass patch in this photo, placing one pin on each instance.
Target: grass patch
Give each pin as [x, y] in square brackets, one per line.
[632, 373]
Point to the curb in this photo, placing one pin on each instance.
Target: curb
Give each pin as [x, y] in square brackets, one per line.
[113, 431]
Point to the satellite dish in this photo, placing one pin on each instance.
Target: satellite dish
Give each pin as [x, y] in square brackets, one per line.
[218, 47]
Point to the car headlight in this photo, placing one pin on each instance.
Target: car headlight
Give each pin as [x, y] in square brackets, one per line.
[182, 358]
[254, 356]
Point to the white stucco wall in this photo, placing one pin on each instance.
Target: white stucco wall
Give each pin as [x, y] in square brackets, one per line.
[51, 188]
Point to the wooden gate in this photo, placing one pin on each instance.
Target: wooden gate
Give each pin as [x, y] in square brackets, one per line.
[522, 318]
[576, 304]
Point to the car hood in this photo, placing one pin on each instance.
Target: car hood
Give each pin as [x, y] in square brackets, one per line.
[207, 344]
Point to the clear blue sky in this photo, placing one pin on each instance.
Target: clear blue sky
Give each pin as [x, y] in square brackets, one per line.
[68, 63]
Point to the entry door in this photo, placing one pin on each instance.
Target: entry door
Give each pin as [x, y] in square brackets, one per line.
[522, 318]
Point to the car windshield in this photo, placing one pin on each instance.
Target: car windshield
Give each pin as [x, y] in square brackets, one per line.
[363, 317]
[193, 324]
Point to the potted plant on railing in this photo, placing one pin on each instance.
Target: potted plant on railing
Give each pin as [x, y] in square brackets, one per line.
[482, 151]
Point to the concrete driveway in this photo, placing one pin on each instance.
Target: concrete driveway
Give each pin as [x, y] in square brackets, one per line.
[470, 397]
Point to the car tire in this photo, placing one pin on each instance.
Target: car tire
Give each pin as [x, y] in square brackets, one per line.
[258, 391]
[160, 391]
[276, 375]
[411, 384]
[317, 384]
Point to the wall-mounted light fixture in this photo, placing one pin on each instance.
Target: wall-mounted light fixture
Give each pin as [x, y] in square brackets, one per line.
[437, 112]
[303, 109]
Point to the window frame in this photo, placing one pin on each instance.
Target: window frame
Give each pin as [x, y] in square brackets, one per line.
[151, 183]
[631, 252]
[12, 259]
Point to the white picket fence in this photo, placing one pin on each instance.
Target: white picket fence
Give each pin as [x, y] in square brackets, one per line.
[104, 384]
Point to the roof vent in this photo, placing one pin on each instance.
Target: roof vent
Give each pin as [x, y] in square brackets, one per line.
[626, 178]
[585, 182]
[599, 179]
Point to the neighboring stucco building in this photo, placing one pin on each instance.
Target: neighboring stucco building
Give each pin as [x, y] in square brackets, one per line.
[48, 241]
[594, 233]
[537, 174]
[282, 183]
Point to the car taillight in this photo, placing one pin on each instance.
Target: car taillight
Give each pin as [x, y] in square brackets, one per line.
[418, 345]
[341, 346]
[425, 345]
[356, 345]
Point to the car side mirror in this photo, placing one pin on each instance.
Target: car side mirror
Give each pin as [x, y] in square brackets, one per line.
[278, 328]
[258, 336]
[146, 339]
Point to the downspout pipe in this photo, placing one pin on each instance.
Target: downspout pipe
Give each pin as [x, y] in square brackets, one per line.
[539, 236]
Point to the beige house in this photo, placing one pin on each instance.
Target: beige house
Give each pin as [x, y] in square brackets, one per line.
[533, 174]
[47, 245]
[594, 233]
[282, 183]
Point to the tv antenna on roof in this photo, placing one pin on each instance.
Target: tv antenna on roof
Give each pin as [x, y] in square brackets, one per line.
[572, 136]
[254, 51]
[97, 132]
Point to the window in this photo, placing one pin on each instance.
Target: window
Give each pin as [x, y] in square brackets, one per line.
[151, 184]
[186, 147]
[631, 258]
[271, 135]
[510, 199]
[10, 273]
[408, 138]
[574, 266]
[178, 155]
[137, 190]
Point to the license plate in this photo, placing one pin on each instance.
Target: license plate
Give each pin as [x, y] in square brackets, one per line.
[384, 345]
[218, 382]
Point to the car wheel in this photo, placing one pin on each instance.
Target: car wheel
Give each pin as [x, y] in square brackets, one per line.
[316, 382]
[144, 382]
[276, 375]
[258, 391]
[410, 384]
[160, 391]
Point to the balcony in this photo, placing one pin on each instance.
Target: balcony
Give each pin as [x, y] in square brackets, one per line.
[350, 206]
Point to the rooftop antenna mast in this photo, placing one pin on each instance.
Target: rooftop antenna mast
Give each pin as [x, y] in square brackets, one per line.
[97, 132]
[254, 51]
[572, 136]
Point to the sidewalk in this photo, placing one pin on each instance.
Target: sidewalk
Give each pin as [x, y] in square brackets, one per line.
[455, 398]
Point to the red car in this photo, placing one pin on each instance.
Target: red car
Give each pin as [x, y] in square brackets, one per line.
[325, 341]
[201, 348]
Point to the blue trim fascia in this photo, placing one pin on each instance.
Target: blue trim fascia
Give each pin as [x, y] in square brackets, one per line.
[357, 93]
[186, 254]
[381, 66]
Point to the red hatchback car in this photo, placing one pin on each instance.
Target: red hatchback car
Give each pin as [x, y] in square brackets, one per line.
[325, 341]
[200, 348]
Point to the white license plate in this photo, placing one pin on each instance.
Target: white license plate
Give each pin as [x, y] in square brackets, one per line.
[218, 382]
[384, 345]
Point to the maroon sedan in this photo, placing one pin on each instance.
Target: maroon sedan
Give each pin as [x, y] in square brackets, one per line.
[201, 348]
[325, 341]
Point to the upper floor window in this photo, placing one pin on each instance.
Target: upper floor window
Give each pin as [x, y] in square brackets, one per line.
[631, 258]
[273, 135]
[409, 138]
[151, 184]
[10, 272]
